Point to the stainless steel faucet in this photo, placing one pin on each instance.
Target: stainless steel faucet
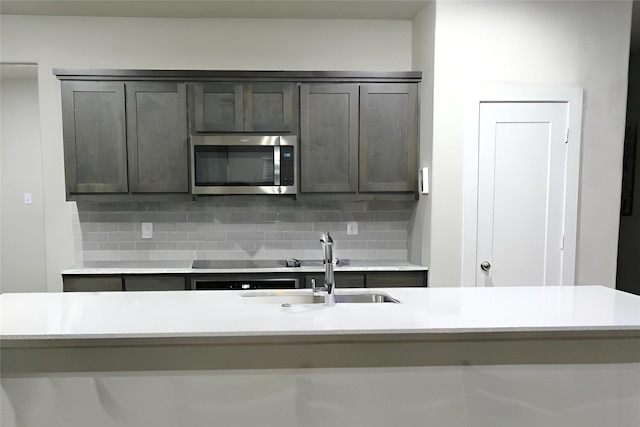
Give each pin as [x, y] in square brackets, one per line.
[329, 280]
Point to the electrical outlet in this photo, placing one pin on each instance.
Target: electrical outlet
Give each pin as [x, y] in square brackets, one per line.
[147, 230]
[352, 228]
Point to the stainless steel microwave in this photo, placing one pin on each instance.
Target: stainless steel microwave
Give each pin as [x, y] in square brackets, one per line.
[243, 164]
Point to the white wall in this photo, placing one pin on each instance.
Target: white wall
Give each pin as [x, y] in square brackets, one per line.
[577, 43]
[423, 27]
[22, 254]
[80, 42]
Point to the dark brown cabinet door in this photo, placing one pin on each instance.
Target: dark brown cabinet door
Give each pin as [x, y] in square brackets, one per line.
[329, 137]
[343, 279]
[95, 144]
[166, 282]
[72, 283]
[396, 279]
[157, 137]
[268, 107]
[243, 107]
[218, 107]
[388, 137]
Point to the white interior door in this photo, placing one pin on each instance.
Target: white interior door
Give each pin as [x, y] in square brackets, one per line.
[522, 161]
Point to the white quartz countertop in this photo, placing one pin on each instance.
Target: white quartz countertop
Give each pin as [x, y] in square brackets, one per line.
[184, 267]
[216, 315]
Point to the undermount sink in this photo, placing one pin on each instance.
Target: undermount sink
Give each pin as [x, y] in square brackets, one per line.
[297, 297]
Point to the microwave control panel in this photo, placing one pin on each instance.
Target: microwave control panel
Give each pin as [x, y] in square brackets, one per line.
[286, 165]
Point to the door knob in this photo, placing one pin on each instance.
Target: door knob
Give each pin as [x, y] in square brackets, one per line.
[485, 266]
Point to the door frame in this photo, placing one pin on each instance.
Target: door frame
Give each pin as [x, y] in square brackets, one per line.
[573, 96]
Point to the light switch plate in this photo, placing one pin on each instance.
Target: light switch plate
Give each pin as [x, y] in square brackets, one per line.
[424, 180]
[27, 199]
[147, 230]
[352, 228]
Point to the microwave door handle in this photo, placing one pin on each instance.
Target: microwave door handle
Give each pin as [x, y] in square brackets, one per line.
[276, 165]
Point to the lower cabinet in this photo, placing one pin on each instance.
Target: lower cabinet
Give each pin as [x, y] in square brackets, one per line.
[343, 280]
[177, 282]
[396, 279]
[100, 283]
[154, 283]
[386, 279]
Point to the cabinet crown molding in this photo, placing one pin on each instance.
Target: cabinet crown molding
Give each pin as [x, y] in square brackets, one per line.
[238, 75]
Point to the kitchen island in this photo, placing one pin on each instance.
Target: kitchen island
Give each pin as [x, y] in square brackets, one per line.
[552, 356]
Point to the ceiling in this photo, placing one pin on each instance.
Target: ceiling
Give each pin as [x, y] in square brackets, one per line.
[287, 9]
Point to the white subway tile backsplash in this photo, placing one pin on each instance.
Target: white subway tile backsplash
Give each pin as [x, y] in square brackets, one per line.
[400, 255]
[165, 226]
[391, 235]
[197, 217]
[146, 246]
[184, 246]
[177, 217]
[398, 244]
[239, 227]
[217, 236]
[108, 226]
[186, 226]
[376, 226]
[357, 244]
[91, 246]
[322, 226]
[107, 246]
[377, 244]
[177, 236]
[273, 235]
[266, 227]
[89, 226]
[158, 236]
[124, 236]
[206, 246]
[169, 246]
[126, 226]
[398, 225]
[95, 237]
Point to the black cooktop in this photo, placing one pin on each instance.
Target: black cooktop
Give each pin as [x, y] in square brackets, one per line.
[264, 263]
[237, 263]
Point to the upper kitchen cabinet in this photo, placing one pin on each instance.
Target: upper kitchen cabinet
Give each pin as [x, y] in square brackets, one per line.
[125, 138]
[221, 107]
[359, 138]
[218, 107]
[329, 137]
[157, 137]
[95, 141]
[388, 137]
[126, 132]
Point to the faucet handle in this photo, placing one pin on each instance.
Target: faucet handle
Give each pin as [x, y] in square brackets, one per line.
[314, 288]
